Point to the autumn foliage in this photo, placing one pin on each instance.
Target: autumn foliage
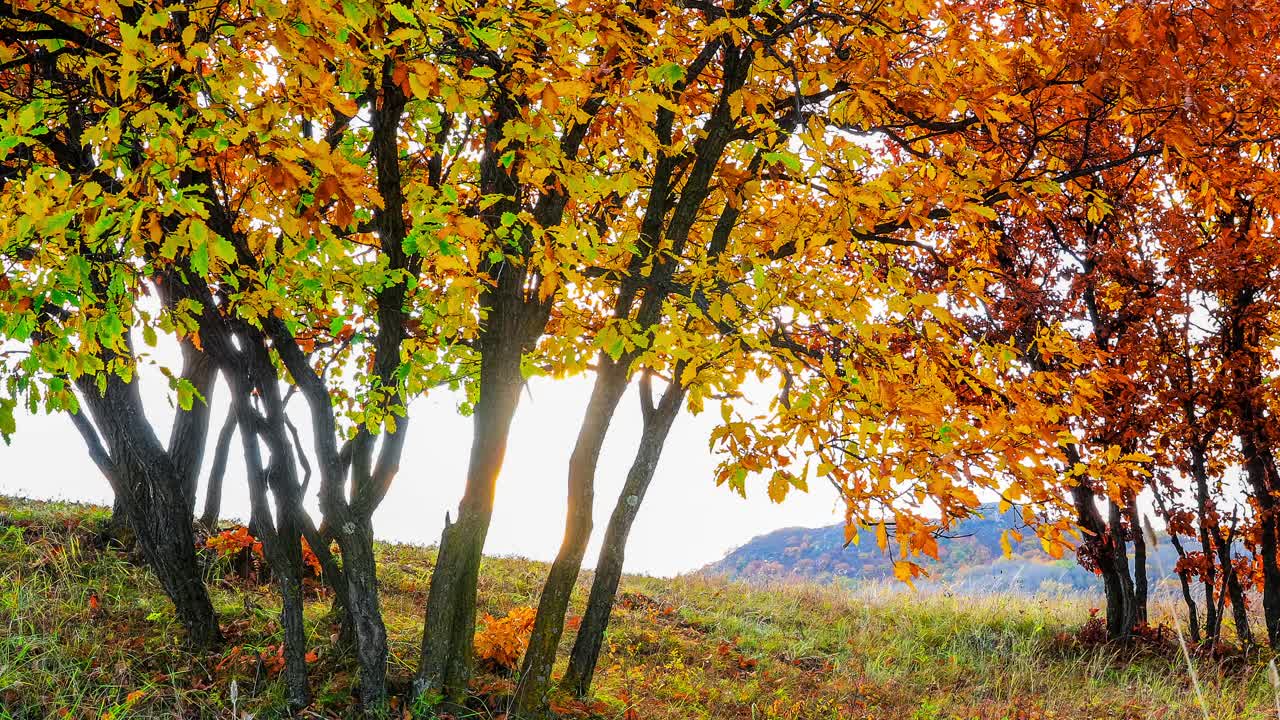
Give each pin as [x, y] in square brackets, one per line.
[501, 642]
[237, 545]
[934, 254]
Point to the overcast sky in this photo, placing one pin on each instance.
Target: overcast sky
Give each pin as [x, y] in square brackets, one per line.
[685, 523]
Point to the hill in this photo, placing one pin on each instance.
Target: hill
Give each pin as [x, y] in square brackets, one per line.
[86, 633]
[970, 559]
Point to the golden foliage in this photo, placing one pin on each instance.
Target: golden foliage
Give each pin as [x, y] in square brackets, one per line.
[503, 641]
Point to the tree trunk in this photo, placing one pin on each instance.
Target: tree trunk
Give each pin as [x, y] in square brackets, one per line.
[1255, 465]
[217, 471]
[281, 538]
[118, 524]
[1106, 543]
[291, 606]
[364, 611]
[449, 628]
[1243, 344]
[295, 639]
[1193, 620]
[153, 494]
[1120, 562]
[1184, 576]
[1232, 589]
[548, 626]
[191, 427]
[604, 586]
[1270, 579]
[1213, 620]
[1140, 591]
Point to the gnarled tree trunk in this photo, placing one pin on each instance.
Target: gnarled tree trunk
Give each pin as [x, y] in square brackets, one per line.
[1232, 588]
[1105, 541]
[153, 493]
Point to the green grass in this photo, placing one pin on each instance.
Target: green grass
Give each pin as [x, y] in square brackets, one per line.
[682, 648]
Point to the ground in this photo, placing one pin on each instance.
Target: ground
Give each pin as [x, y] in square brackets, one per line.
[86, 633]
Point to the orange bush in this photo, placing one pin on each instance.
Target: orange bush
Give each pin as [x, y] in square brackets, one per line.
[230, 543]
[503, 640]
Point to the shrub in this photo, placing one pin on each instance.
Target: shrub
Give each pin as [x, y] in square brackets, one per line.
[501, 643]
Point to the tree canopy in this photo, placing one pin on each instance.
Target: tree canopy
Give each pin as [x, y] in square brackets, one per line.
[974, 251]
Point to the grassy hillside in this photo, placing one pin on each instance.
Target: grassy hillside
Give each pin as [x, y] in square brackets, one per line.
[86, 633]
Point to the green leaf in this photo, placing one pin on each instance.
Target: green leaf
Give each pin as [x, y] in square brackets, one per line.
[186, 394]
[509, 219]
[483, 72]
[982, 210]
[786, 158]
[31, 114]
[403, 14]
[668, 74]
[335, 325]
[8, 426]
[200, 259]
[223, 249]
[110, 328]
[615, 347]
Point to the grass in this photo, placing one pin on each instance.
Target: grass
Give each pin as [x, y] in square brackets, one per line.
[677, 649]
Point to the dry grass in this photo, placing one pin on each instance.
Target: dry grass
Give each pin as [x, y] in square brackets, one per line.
[677, 649]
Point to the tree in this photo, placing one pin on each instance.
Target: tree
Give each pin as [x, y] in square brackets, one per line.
[73, 290]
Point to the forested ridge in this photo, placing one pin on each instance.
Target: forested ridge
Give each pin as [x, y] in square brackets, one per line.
[971, 560]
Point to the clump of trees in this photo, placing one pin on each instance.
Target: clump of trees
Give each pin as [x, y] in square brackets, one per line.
[981, 251]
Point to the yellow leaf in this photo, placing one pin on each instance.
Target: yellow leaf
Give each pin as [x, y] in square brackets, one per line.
[905, 571]
[550, 100]
[778, 487]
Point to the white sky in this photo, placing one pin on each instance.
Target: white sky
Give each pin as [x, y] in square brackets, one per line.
[686, 521]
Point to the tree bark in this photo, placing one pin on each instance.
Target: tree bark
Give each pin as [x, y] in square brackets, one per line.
[118, 525]
[280, 538]
[365, 612]
[448, 631]
[191, 428]
[608, 573]
[1184, 577]
[152, 491]
[535, 675]
[1106, 542]
[1232, 588]
[1213, 621]
[1243, 348]
[1120, 561]
[1140, 592]
[1256, 462]
[217, 471]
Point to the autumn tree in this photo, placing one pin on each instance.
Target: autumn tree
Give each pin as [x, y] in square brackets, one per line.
[278, 251]
[74, 288]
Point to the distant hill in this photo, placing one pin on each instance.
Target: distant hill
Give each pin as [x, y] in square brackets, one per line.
[970, 561]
